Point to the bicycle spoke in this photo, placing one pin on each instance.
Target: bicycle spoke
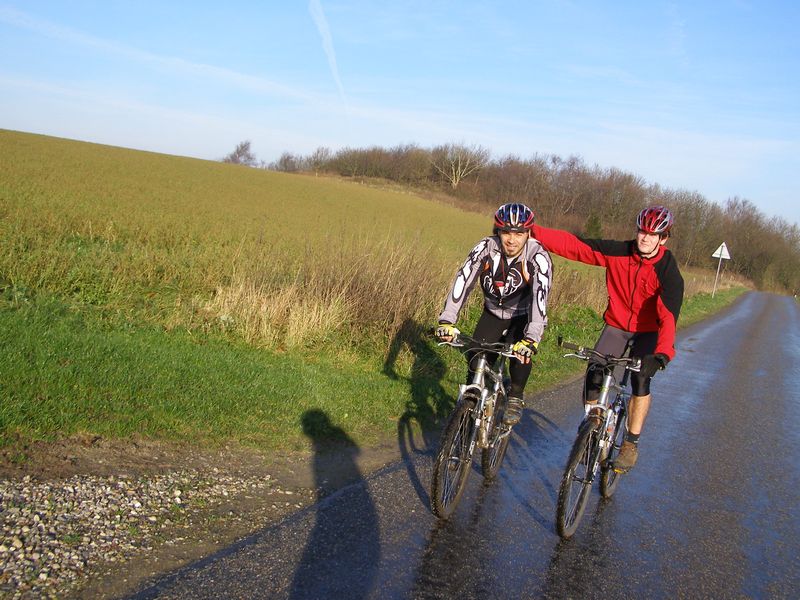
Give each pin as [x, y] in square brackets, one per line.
[452, 465]
[576, 483]
[492, 456]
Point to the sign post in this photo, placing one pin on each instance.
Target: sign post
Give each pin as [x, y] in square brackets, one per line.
[720, 253]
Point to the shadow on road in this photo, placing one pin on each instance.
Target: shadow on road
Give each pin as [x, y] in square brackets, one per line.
[342, 552]
[584, 565]
[428, 403]
[452, 556]
[534, 446]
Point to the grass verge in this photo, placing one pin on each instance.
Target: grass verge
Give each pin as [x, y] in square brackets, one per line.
[66, 371]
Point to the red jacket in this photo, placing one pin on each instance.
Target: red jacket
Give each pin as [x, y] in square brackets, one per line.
[644, 294]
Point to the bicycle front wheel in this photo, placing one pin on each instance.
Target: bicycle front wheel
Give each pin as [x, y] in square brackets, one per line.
[576, 483]
[452, 466]
[610, 478]
[492, 457]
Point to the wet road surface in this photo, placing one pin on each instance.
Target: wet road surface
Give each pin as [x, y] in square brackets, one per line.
[711, 509]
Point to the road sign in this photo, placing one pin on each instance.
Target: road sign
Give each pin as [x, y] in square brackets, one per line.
[721, 252]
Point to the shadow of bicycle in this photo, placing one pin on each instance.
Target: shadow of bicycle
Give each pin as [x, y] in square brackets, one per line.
[419, 426]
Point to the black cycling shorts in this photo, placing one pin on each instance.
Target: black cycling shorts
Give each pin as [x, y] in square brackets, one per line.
[617, 342]
[492, 329]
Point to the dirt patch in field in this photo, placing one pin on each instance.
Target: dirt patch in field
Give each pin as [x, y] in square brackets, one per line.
[298, 480]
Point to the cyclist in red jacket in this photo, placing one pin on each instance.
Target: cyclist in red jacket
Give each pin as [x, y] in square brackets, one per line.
[645, 292]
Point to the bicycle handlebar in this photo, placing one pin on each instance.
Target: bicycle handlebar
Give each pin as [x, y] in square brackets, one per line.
[632, 363]
[464, 341]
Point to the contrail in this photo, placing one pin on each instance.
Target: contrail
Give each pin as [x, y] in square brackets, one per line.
[315, 8]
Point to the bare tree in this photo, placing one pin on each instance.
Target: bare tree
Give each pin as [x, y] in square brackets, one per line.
[288, 163]
[699, 225]
[511, 179]
[568, 184]
[242, 155]
[349, 162]
[456, 161]
[319, 159]
[410, 164]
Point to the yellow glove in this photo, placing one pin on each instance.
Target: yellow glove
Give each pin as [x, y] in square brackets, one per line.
[446, 330]
[524, 349]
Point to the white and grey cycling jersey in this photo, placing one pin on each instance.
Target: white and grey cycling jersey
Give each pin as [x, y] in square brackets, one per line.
[510, 288]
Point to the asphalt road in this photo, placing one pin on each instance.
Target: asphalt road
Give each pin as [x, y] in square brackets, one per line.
[711, 510]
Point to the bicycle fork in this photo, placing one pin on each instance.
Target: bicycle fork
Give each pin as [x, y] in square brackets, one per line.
[495, 378]
[608, 426]
[482, 414]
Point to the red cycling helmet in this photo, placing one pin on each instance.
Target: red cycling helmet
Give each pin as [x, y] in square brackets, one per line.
[513, 217]
[656, 219]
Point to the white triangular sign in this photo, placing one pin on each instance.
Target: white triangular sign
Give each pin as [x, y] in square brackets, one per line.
[721, 252]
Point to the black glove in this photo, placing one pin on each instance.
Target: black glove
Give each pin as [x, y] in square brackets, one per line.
[652, 363]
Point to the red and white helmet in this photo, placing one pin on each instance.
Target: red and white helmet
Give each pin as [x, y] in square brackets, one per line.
[656, 219]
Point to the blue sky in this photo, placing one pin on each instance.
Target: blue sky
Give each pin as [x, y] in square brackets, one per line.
[701, 96]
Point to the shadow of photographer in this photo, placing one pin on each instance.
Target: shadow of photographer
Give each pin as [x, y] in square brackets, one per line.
[342, 553]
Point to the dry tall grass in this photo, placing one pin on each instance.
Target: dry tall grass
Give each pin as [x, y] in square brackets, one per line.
[577, 286]
[699, 281]
[377, 286]
[281, 260]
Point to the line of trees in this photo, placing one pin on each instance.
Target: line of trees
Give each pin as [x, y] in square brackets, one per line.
[591, 201]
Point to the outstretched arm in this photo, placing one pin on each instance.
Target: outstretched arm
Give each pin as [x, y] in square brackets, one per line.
[591, 252]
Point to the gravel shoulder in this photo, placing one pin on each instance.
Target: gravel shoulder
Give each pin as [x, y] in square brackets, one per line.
[87, 517]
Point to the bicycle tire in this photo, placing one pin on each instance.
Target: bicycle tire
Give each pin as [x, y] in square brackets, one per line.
[609, 478]
[454, 460]
[492, 457]
[576, 483]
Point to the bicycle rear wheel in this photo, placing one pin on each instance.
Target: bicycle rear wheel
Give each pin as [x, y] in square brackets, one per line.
[452, 466]
[577, 480]
[609, 478]
[492, 457]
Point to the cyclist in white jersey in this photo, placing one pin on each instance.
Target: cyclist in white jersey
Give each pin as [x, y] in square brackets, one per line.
[514, 272]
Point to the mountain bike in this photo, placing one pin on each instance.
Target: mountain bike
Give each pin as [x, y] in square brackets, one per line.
[476, 421]
[598, 441]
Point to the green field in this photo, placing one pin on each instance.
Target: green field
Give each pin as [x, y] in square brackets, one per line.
[182, 299]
